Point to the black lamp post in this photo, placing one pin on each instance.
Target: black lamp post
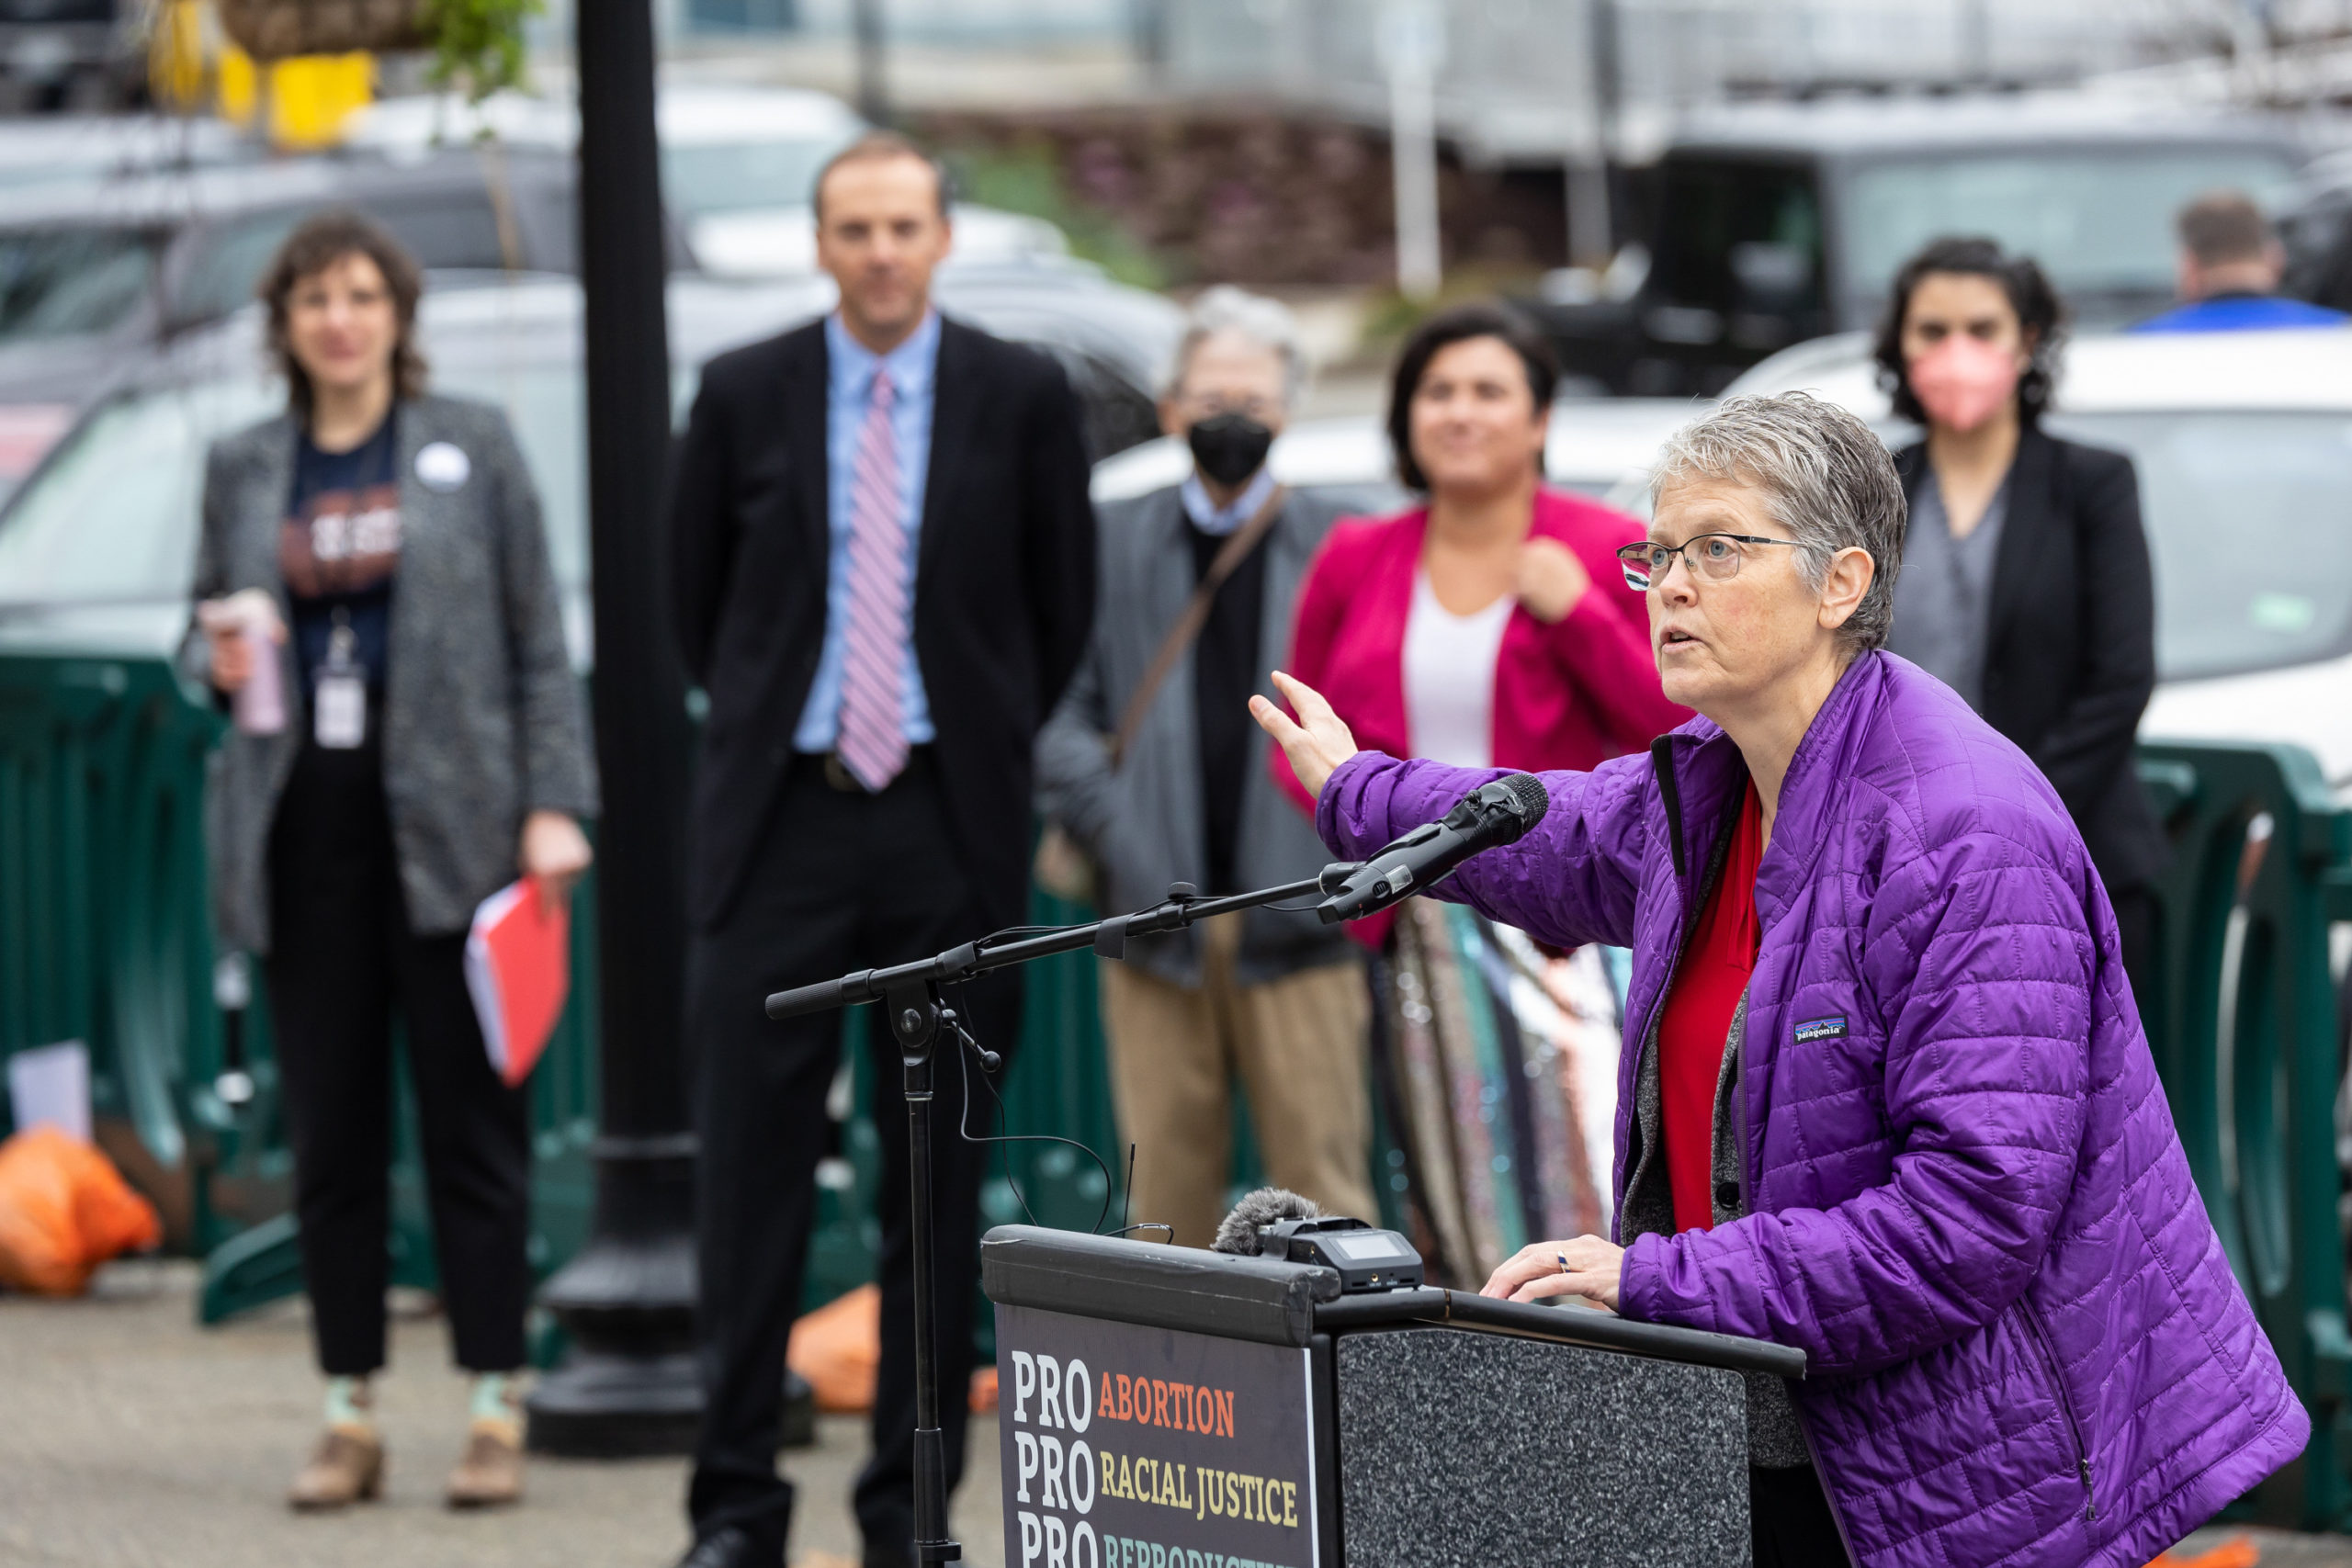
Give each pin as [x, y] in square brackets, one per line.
[629, 1383]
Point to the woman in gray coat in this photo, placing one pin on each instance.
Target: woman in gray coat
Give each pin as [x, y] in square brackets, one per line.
[376, 603]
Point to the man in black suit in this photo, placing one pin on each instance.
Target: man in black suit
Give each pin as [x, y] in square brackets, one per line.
[883, 573]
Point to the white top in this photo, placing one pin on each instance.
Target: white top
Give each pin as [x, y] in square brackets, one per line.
[1450, 678]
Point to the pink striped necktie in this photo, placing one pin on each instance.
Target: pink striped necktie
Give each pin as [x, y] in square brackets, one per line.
[872, 739]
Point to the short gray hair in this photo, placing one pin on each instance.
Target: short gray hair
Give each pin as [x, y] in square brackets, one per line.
[1824, 477]
[1266, 322]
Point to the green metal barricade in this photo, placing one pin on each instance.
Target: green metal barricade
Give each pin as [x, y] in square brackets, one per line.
[104, 928]
[2248, 1037]
[106, 939]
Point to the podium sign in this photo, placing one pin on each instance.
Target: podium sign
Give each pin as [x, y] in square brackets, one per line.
[1128, 1447]
[1164, 1407]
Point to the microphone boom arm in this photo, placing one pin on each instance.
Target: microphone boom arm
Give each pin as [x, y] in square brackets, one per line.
[1107, 936]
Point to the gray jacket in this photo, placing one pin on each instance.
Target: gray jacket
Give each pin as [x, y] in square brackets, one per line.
[1145, 822]
[483, 721]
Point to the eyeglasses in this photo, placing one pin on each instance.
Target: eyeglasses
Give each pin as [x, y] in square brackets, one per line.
[1715, 556]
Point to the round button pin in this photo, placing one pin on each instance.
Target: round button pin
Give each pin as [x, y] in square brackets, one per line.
[443, 467]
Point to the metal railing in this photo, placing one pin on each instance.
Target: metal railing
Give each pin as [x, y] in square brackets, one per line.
[2249, 1039]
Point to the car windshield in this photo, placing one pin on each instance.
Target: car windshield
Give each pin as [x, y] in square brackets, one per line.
[2249, 518]
[111, 518]
[66, 282]
[2099, 222]
[1717, 220]
[456, 228]
[740, 176]
[62, 282]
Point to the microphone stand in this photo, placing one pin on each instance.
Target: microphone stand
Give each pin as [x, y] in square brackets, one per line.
[911, 1001]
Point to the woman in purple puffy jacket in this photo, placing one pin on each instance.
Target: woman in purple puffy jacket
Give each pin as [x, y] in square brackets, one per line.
[1884, 1095]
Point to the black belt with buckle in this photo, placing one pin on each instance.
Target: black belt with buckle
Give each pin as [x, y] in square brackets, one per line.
[838, 777]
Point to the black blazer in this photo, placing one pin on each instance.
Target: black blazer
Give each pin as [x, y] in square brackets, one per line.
[2070, 658]
[1004, 589]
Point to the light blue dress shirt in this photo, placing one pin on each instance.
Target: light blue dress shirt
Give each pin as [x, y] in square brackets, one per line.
[849, 392]
[1218, 521]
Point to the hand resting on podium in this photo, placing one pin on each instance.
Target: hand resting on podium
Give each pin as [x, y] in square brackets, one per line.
[1586, 1266]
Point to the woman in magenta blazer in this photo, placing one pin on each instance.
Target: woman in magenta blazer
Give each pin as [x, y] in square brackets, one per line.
[1490, 626]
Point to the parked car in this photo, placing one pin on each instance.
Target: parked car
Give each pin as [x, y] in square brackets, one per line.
[2243, 444]
[1779, 223]
[97, 545]
[738, 168]
[95, 148]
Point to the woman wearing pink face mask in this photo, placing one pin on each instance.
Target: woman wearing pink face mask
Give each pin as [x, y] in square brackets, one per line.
[2025, 582]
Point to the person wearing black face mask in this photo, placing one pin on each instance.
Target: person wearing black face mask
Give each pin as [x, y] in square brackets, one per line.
[1230, 448]
[1151, 773]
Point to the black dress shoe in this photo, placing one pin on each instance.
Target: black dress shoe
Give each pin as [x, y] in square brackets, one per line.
[889, 1540]
[730, 1548]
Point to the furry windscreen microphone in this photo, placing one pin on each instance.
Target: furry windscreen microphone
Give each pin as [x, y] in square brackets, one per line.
[1238, 1234]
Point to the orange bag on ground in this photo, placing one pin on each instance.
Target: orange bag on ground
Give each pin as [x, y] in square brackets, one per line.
[838, 1347]
[64, 1210]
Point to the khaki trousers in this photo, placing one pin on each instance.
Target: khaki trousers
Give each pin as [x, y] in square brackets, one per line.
[1297, 1045]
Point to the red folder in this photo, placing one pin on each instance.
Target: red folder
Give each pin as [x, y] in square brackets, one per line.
[518, 966]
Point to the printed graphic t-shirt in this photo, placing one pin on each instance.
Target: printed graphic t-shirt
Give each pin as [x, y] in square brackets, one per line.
[339, 548]
[1692, 1035]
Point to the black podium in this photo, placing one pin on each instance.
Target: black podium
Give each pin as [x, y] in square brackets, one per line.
[1163, 1407]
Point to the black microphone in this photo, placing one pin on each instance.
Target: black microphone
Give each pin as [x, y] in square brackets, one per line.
[1494, 814]
[1238, 1234]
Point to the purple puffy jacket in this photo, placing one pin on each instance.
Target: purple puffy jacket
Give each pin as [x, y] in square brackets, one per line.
[1968, 1204]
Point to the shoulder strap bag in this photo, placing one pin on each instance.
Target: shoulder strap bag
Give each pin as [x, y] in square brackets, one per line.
[1061, 867]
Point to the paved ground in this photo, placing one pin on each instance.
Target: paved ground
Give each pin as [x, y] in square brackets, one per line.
[131, 1438]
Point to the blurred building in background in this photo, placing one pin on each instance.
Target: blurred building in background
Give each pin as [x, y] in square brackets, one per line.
[1521, 79]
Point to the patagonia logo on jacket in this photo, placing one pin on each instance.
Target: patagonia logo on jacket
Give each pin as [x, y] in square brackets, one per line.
[1821, 1029]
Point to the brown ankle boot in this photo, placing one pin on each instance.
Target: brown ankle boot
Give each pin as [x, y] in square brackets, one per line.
[490, 1474]
[347, 1467]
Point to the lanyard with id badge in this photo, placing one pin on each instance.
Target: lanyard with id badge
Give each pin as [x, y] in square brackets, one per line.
[339, 696]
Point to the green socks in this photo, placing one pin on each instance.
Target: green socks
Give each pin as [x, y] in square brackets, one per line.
[490, 1401]
[349, 1404]
[497, 1405]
